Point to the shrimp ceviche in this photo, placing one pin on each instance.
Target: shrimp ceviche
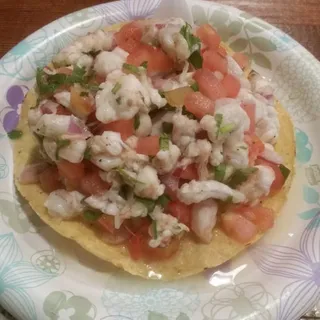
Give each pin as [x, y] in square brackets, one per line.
[155, 133]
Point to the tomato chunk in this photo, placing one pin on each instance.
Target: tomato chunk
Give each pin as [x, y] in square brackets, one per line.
[124, 127]
[181, 211]
[129, 36]
[198, 104]
[157, 59]
[63, 111]
[172, 185]
[81, 106]
[209, 36]
[49, 180]
[188, 173]
[209, 85]
[279, 178]
[72, 173]
[134, 247]
[160, 253]
[238, 227]
[214, 61]
[106, 222]
[250, 109]
[92, 184]
[148, 145]
[232, 85]
[241, 59]
[256, 147]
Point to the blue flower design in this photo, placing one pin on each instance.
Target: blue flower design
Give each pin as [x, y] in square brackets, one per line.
[4, 169]
[283, 41]
[304, 147]
[17, 275]
[311, 196]
[302, 266]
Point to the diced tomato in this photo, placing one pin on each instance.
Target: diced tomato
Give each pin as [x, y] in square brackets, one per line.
[160, 253]
[63, 111]
[99, 79]
[231, 84]
[238, 228]
[202, 134]
[279, 178]
[119, 237]
[241, 59]
[134, 247]
[213, 61]
[49, 180]
[198, 104]
[209, 36]
[92, 184]
[262, 217]
[81, 106]
[72, 173]
[106, 222]
[148, 145]
[209, 85]
[129, 36]
[138, 225]
[124, 127]
[158, 60]
[256, 147]
[181, 211]
[172, 185]
[250, 109]
[188, 173]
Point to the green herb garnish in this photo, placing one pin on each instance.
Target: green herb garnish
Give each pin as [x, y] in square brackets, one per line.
[163, 200]
[193, 41]
[161, 92]
[229, 127]
[87, 153]
[229, 199]
[61, 143]
[164, 142]
[195, 86]
[124, 191]
[15, 134]
[131, 68]
[136, 123]
[196, 59]
[220, 172]
[218, 117]
[154, 229]
[144, 64]
[127, 178]
[240, 176]
[148, 203]
[116, 88]
[93, 53]
[187, 113]
[118, 100]
[284, 171]
[92, 215]
[84, 94]
[94, 87]
[167, 127]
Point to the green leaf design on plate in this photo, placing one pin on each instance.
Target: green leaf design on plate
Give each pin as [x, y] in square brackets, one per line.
[199, 15]
[309, 214]
[156, 316]
[263, 44]
[219, 18]
[239, 44]
[261, 60]
[53, 303]
[235, 27]
[262, 25]
[246, 15]
[224, 33]
[182, 316]
[310, 195]
[253, 27]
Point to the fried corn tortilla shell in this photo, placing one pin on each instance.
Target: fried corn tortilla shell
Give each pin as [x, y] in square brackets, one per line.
[191, 258]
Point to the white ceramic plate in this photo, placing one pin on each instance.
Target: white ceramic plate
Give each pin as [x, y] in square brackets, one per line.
[44, 276]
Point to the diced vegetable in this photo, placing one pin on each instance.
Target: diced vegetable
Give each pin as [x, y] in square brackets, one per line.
[127, 177]
[250, 109]
[63, 111]
[15, 134]
[181, 211]
[196, 59]
[188, 173]
[198, 104]
[213, 61]
[240, 176]
[81, 106]
[285, 171]
[193, 41]
[160, 253]
[209, 85]
[148, 203]
[134, 247]
[209, 36]
[232, 85]
[72, 173]
[124, 127]
[49, 180]
[149, 146]
[106, 222]
[92, 184]
[220, 172]
[129, 37]
[92, 215]
[167, 127]
[164, 142]
[256, 147]
[61, 143]
[177, 96]
[163, 200]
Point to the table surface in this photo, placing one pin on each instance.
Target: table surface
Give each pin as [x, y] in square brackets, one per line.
[299, 18]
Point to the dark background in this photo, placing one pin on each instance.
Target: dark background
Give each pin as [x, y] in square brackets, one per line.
[298, 18]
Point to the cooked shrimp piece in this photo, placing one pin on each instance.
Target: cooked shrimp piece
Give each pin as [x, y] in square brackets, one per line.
[52, 125]
[144, 125]
[197, 191]
[109, 142]
[204, 218]
[166, 160]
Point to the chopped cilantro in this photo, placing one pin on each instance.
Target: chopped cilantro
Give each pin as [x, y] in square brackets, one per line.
[116, 88]
[229, 127]
[240, 176]
[124, 191]
[161, 92]
[193, 41]
[154, 229]
[148, 203]
[87, 154]
[136, 123]
[144, 64]
[163, 200]
[284, 171]
[220, 172]
[127, 178]
[118, 100]
[131, 68]
[15, 134]
[94, 87]
[229, 199]
[92, 215]
[218, 117]
[61, 143]
[196, 59]
[93, 53]
[164, 142]
[167, 127]
[84, 94]
[195, 86]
